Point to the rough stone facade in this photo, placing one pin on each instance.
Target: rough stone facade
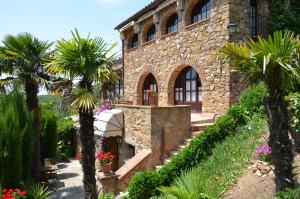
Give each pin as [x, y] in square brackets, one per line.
[158, 129]
[192, 45]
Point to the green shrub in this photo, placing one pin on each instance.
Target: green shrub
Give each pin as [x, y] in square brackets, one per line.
[294, 109]
[252, 100]
[288, 194]
[16, 140]
[48, 133]
[144, 185]
[251, 105]
[66, 133]
[106, 196]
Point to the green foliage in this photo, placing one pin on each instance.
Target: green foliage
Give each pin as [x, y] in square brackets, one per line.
[38, 191]
[106, 196]
[274, 61]
[66, 134]
[16, 140]
[48, 133]
[283, 18]
[213, 177]
[252, 100]
[144, 185]
[198, 150]
[288, 194]
[294, 109]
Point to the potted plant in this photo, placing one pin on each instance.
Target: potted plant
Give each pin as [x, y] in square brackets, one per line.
[105, 160]
[153, 97]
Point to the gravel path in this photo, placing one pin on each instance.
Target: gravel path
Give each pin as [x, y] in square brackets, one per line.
[69, 185]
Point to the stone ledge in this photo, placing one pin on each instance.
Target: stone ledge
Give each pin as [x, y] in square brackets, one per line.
[132, 163]
[151, 107]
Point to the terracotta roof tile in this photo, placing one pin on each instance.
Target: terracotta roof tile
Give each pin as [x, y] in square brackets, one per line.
[151, 6]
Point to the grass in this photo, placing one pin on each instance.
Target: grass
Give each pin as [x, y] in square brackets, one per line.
[213, 177]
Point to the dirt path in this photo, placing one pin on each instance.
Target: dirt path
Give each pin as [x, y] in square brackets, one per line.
[249, 186]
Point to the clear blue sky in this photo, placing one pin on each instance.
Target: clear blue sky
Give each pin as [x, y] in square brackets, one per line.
[53, 19]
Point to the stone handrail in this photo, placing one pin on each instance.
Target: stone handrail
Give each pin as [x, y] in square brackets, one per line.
[118, 181]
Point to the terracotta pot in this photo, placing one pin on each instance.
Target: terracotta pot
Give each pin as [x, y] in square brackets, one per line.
[106, 168]
[153, 100]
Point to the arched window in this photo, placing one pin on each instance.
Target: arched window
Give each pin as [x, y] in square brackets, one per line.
[201, 11]
[188, 87]
[135, 41]
[253, 21]
[151, 33]
[172, 24]
[149, 83]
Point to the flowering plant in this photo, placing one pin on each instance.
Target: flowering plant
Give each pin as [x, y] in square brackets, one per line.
[78, 156]
[104, 107]
[151, 92]
[263, 153]
[13, 194]
[105, 158]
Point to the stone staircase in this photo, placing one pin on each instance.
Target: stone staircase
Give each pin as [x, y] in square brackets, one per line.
[199, 121]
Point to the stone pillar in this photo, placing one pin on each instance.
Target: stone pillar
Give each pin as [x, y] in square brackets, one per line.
[137, 30]
[109, 183]
[180, 9]
[157, 24]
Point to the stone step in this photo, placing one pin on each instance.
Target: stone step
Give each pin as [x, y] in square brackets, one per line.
[210, 120]
[167, 160]
[200, 127]
[157, 168]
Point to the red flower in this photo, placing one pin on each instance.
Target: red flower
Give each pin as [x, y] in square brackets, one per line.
[23, 193]
[4, 190]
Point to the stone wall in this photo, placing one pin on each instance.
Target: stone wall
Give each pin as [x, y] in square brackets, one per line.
[168, 55]
[158, 129]
[192, 45]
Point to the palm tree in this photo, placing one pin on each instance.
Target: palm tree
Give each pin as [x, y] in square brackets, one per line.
[274, 61]
[22, 59]
[86, 60]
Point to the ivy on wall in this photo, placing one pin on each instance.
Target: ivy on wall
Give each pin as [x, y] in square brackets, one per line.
[283, 18]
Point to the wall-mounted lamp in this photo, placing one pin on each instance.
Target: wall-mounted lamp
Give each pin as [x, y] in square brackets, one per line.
[232, 27]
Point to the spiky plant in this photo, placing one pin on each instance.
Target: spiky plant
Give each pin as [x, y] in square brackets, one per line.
[87, 60]
[276, 62]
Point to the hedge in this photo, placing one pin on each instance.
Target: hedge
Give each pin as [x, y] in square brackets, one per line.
[145, 184]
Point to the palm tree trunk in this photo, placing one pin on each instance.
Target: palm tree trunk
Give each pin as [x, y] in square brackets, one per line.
[281, 156]
[88, 153]
[31, 90]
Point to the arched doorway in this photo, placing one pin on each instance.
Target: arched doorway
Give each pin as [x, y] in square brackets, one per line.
[149, 83]
[188, 89]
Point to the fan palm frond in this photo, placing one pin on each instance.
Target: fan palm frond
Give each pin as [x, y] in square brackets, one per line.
[83, 99]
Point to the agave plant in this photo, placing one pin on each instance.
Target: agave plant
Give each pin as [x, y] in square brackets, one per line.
[38, 191]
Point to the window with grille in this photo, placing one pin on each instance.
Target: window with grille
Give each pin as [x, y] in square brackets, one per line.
[253, 20]
[151, 33]
[201, 11]
[172, 24]
[150, 83]
[188, 86]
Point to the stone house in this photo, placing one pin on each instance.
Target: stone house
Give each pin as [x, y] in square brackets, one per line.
[169, 46]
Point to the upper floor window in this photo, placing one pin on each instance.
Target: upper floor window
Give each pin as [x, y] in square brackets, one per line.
[135, 41]
[201, 11]
[151, 33]
[253, 21]
[172, 24]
